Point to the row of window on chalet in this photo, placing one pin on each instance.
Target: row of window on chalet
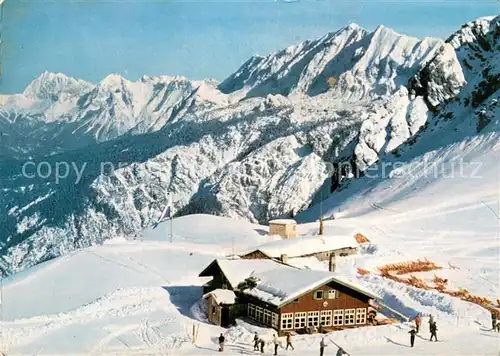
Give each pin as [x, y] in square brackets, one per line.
[310, 319]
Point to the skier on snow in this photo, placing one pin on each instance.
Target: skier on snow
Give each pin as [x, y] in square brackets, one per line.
[493, 320]
[289, 341]
[322, 346]
[412, 333]
[262, 343]
[276, 343]
[221, 342]
[256, 342]
[433, 331]
[340, 352]
[417, 322]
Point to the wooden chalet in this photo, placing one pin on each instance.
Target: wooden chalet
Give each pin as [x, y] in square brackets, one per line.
[289, 299]
[319, 246]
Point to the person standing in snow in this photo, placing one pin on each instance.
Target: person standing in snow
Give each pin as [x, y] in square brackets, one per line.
[493, 320]
[433, 331]
[498, 326]
[256, 342]
[417, 322]
[412, 333]
[221, 342]
[276, 343]
[322, 346]
[289, 341]
[431, 321]
[262, 343]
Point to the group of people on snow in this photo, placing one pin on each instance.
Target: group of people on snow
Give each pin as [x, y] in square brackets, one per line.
[432, 329]
[259, 343]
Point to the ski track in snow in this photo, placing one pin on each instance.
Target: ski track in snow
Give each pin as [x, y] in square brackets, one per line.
[119, 304]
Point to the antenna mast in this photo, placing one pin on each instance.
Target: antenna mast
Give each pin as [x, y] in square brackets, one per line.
[321, 204]
[171, 229]
[321, 212]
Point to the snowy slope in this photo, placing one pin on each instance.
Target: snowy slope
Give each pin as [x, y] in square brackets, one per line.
[131, 297]
[263, 157]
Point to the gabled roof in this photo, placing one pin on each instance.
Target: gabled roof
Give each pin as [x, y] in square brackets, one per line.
[279, 284]
[236, 271]
[222, 296]
[247, 252]
[306, 245]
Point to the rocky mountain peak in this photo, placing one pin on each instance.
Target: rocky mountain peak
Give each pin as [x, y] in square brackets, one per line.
[51, 86]
[113, 80]
[469, 57]
[473, 31]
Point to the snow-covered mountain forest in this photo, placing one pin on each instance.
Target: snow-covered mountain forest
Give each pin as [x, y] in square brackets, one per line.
[261, 144]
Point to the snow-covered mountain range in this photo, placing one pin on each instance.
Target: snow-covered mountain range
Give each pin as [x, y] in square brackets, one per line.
[258, 145]
[58, 113]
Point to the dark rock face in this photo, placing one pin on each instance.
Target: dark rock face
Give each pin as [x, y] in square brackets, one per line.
[466, 59]
[440, 80]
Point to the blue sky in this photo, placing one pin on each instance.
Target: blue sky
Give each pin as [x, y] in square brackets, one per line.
[90, 39]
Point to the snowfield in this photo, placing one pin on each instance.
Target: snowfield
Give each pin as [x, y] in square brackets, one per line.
[418, 121]
[135, 297]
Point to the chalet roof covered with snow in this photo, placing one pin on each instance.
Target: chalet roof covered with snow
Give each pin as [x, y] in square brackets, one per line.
[237, 271]
[222, 296]
[277, 283]
[303, 246]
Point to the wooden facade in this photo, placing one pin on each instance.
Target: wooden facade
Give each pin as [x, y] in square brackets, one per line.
[325, 255]
[219, 280]
[331, 306]
[255, 255]
[218, 314]
[338, 308]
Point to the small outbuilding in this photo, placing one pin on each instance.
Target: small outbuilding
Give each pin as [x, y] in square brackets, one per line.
[219, 302]
[321, 247]
[286, 228]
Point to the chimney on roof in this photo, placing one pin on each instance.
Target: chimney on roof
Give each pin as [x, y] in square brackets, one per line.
[284, 258]
[332, 264]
